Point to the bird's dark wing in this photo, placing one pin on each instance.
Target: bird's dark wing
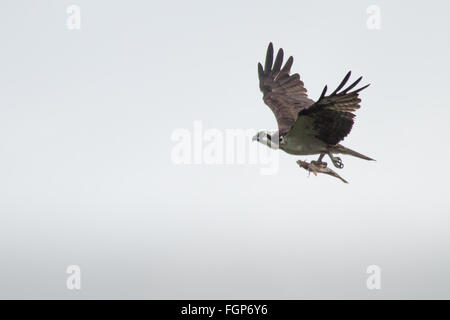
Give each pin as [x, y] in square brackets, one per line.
[284, 93]
[332, 116]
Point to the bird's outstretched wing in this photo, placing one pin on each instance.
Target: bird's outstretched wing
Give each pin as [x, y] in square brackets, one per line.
[332, 116]
[284, 93]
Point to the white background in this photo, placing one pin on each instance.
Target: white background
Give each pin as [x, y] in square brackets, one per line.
[86, 176]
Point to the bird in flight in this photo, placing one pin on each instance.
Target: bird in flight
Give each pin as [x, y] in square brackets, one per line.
[306, 127]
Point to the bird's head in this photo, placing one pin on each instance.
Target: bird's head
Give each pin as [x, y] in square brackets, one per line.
[266, 139]
[260, 137]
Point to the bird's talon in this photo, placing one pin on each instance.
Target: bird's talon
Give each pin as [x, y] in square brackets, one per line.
[319, 164]
[338, 163]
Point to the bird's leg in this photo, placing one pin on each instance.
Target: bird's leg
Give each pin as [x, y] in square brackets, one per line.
[319, 161]
[336, 161]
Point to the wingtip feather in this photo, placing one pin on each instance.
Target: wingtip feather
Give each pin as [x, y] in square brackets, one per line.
[260, 71]
[278, 61]
[269, 59]
[343, 82]
[362, 88]
[324, 91]
[288, 65]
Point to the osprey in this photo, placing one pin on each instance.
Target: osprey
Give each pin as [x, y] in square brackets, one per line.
[306, 127]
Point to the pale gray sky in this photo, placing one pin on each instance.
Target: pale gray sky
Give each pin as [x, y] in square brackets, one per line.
[86, 119]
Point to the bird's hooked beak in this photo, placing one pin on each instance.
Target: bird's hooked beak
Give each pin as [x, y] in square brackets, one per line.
[255, 137]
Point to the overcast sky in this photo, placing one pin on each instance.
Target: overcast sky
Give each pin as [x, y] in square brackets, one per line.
[87, 176]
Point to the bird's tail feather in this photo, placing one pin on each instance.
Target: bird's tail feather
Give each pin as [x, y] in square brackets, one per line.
[344, 150]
